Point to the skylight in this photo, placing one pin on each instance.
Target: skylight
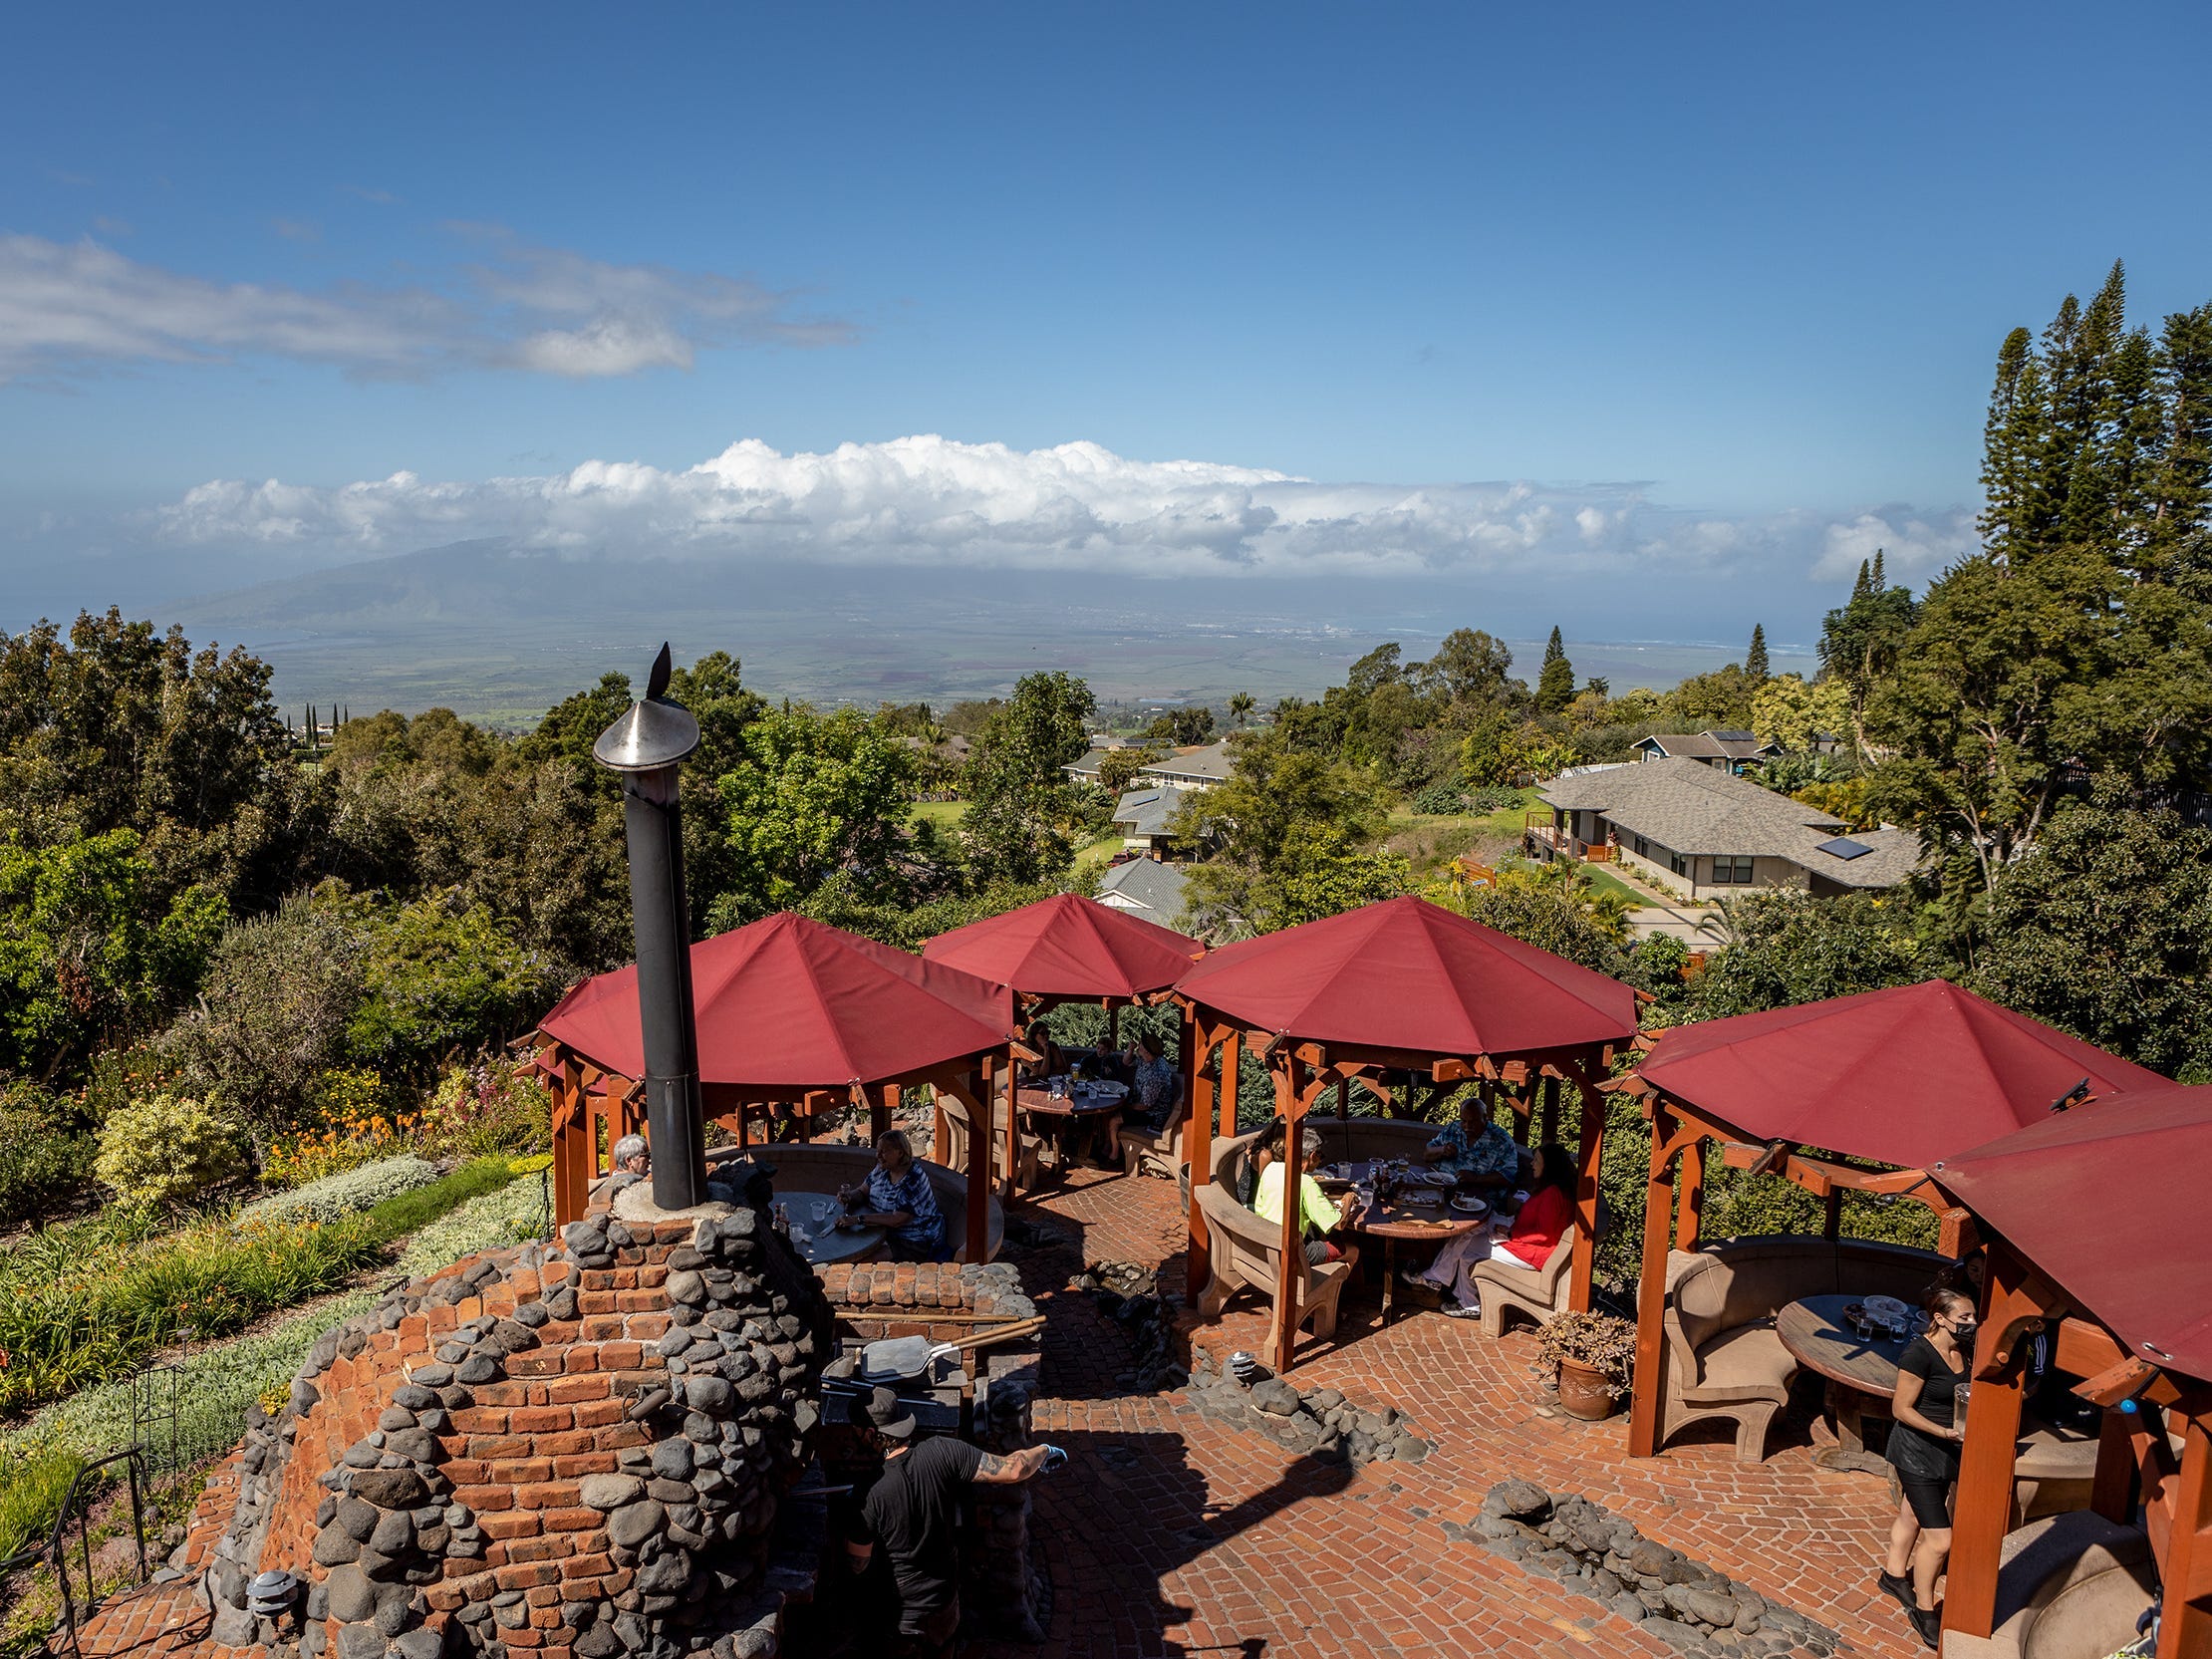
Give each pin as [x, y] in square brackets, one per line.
[1844, 847]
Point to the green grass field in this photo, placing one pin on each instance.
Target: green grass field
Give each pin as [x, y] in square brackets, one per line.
[1431, 841]
[944, 814]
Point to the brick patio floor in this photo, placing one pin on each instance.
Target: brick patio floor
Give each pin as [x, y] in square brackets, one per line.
[1173, 1534]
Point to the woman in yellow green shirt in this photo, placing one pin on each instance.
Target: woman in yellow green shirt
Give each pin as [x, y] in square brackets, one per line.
[1318, 1217]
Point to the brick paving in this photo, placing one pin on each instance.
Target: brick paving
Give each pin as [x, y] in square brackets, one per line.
[1175, 1535]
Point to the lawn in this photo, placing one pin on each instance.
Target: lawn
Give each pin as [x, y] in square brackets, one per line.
[1431, 841]
[944, 814]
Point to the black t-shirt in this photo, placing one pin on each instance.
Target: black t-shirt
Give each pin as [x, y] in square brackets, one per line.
[912, 1514]
[1914, 1452]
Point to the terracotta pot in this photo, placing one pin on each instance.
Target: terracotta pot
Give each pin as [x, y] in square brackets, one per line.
[1582, 1391]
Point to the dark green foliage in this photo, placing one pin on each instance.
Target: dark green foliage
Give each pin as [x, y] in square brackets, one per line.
[1754, 659]
[2104, 930]
[46, 1154]
[1181, 725]
[440, 974]
[92, 950]
[911, 925]
[1021, 805]
[1556, 684]
[1783, 949]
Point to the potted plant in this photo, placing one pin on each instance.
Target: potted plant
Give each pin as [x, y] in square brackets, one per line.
[1593, 1356]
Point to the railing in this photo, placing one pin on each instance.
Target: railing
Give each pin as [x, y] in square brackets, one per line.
[1538, 830]
[91, 1482]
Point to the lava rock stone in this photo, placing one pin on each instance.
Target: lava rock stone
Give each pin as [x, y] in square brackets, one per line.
[610, 1491]
[1275, 1397]
[391, 1489]
[352, 1597]
[632, 1525]
[1522, 1499]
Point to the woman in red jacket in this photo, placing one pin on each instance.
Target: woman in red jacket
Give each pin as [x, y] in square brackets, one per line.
[1535, 1233]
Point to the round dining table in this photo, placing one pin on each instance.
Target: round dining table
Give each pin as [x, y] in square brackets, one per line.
[816, 1236]
[1400, 1223]
[1070, 1115]
[1857, 1369]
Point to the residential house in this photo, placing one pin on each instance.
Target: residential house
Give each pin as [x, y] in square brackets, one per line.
[1690, 828]
[1143, 815]
[1197, 767]
[1145, 887]
[1723, 752]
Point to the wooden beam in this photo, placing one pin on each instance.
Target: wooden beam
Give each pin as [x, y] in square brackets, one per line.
[1292, 1088]
[2113, 1492]
[1669, 1138]
[1194, 1057]
[1232, 1063]
[1590, 1153]
[2185, 1628]
[1981, 1511]
[1689, 1204]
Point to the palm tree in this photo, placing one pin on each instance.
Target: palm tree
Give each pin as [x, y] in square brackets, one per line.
[1241, 708]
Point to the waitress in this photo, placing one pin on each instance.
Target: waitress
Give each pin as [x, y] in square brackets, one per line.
[1924, 1449]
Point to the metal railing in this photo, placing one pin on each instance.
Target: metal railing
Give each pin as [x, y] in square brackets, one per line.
[73, 1527]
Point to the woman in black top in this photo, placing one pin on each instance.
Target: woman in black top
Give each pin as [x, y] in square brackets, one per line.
[1924, 1447]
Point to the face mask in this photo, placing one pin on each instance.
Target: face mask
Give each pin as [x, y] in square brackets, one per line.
[1963, 1335]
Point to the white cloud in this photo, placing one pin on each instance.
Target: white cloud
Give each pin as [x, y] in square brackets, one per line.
[70, 309]
[1914, 545]
[931, 501]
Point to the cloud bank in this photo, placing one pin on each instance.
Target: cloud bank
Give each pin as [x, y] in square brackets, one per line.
[68, 310]
[929, 501]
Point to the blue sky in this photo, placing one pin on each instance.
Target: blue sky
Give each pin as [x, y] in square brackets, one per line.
[1754, 261]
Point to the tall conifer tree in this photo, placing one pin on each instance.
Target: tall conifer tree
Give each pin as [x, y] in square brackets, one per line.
[1556, 684]
[1754, 660]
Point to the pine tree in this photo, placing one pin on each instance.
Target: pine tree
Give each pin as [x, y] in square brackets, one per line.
[2178, 485]
[1877, 584]
[1754, 660]
[1556, 684]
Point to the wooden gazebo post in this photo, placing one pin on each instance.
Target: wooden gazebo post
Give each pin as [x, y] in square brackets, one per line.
[1295, 1092]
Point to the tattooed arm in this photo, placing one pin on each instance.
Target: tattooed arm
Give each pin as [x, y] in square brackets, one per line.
[1013, 1468]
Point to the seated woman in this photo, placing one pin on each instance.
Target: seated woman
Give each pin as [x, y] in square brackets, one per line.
[1318, 1217]
[896, 1195]
[1155, 1094]
[1475, 1149]
[1535, 1233]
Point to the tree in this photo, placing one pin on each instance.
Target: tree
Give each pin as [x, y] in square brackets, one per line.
[1182, 726]
[90, 950]
[1554, 906]
[1241, 707]
[807, 798]
[438, 974]
[1469, 667]
[1118, 768]
[1021, 805]
[2104, 930]
[1290, 829]
[1862, 641]
[1754, 659]
[118, 727]
[1783, 949]
[1556, 684]
[1787, 712]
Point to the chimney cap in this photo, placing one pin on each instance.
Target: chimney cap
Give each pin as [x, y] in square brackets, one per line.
[651, 732]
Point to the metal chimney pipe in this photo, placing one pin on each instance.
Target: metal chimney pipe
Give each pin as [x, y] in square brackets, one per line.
[648, 745]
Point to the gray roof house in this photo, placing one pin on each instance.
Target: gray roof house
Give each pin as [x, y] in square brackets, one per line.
[1085, 771]
[1144, 814]
[1145, 889]
[1687, 827]
[1725, 751]
[1200, 767]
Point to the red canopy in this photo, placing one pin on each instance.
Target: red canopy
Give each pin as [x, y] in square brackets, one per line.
[2109, 1200]
[1901, 1076]
[789, 1003]
[1068, 946]
[1407, 974]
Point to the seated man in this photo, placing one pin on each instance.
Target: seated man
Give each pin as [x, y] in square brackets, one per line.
[898, 1195]
[1475, 1149]
[1154, 1096]
[633, 1164]
[1318, 1217]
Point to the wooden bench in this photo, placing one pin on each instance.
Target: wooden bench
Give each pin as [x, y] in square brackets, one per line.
[1030, 1149]
[1245, 1253]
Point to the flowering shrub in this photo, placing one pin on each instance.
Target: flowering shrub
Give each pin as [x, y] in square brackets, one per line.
[488, 1107]
[355, 1133]
[1599, 1341]
[168, 1148]
[345, 1193]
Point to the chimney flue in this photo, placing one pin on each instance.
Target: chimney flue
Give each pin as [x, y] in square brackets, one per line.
[648, 745]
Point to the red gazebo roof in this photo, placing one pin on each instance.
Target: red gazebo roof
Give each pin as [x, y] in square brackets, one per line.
[1901, 1076]
[790, 1002]
[1407, 974]
[2107, 1199]
[1068, 946]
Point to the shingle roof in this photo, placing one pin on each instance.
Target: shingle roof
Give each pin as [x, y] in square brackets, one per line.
[1690, 807]
[1147, 811]
[1707, 745]
[1147, 887]
[1088, 765]
[1210, 761]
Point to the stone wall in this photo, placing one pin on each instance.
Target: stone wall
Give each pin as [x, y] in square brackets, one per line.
[575, 1449]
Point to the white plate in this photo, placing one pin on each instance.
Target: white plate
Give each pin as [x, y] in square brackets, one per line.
[1886, 1308]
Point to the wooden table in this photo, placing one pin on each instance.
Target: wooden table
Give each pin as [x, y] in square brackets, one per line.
[817, 1213]
[1424, 1223]
[1857, 1368]
[1069, 1114]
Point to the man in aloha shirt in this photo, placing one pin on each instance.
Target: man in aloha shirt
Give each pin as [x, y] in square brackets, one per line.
[898, 1195]
[1488, 1157]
